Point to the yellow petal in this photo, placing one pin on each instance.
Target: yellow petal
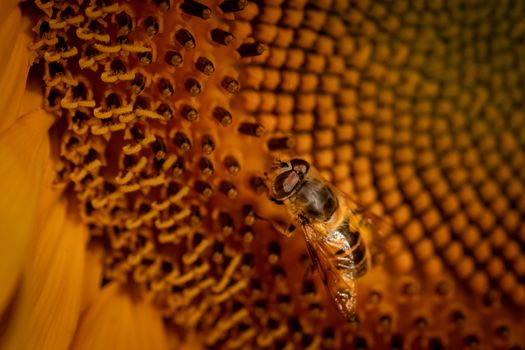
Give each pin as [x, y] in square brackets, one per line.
[150, 326]
[33, 98]
[92, 275]
[47, 309]
[24, 150]
[116, 320]
[14, 64]
[6, 9]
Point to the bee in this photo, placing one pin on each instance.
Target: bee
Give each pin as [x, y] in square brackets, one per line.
[334, 228]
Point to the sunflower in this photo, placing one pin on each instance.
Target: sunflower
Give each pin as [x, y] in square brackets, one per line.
[135, 135]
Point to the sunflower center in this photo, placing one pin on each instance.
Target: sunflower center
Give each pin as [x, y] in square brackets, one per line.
[151, 146]
[414, 107]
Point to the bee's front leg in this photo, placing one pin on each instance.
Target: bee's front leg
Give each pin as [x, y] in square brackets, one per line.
[280, 227]
[276, 201]
[303, 219]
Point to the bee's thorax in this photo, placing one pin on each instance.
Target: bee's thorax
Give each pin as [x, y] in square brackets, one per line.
[314, 200]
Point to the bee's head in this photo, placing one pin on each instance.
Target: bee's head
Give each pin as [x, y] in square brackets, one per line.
[285, 177]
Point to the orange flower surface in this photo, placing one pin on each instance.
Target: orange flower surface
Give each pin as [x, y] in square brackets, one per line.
[134, 140]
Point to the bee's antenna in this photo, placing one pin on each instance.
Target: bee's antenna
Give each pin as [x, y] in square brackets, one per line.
[275, 165]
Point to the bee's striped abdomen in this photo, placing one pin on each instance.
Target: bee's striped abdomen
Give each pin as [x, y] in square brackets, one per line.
[351, 255]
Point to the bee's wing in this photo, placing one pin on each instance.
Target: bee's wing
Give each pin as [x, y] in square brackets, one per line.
[376, 228]
[381, 226]
[340, 286]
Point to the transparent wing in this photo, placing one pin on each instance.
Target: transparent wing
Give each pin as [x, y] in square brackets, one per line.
[376, 229]
[381, 226]
[340, 286]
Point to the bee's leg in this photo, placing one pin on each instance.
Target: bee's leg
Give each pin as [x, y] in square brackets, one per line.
[303, 219]
[307, 280]
[282, 229]
[310, 269]
[279, 226]
[276, 201]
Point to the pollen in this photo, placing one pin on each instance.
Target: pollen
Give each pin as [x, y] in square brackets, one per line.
[138, 89]
[169, 112]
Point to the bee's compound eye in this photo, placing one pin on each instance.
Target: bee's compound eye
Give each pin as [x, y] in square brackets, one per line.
[285, 183]
[300, 165]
